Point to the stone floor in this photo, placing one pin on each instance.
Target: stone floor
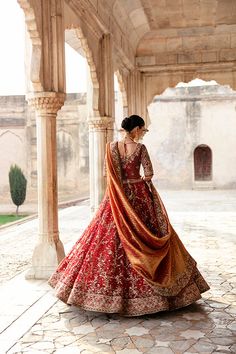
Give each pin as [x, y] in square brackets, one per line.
[33, 321]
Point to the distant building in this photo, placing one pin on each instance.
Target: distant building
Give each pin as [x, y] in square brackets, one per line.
[192, 138]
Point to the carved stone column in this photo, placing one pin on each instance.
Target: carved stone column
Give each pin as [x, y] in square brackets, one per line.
[100, 129]
[101, 124]
[49, 250]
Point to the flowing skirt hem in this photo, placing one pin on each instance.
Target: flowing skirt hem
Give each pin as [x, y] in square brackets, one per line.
[130, 306]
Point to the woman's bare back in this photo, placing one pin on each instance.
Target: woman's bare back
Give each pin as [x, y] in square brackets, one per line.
[126, 148]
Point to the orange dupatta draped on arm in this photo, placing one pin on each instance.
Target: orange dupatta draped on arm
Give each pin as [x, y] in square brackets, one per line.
[162, 260]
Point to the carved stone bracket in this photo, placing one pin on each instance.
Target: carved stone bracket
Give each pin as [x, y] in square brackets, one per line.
[46, 102]
[100, 123]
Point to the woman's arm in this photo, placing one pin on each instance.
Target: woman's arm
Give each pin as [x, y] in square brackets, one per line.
[147, 164]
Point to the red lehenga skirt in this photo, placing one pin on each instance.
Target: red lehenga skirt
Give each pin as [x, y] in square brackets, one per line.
[97, 275]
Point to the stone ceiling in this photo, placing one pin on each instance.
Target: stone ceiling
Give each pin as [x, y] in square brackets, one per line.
[168, 14]
[151, 22]
[171, 27]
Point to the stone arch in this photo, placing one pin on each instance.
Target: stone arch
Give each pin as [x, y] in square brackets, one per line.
[93, 72]
[160, 83]
[221, 78]
[32, 28]
[132, 18]
[202, 156]
[12, 133]
[78, 33]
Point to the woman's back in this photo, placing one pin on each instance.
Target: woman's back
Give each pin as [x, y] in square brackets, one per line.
[126, 148]
[130, 162]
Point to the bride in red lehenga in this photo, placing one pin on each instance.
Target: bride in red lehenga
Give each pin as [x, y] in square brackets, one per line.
[129, 260]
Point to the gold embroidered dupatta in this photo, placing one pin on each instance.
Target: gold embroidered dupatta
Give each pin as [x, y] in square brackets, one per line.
[162, 260]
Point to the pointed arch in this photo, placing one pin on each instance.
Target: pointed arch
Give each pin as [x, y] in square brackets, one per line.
[91, 64]
[11, 133]
[86, 51]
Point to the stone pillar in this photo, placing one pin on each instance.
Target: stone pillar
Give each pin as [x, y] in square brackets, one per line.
[47, 81]
[49, 250]
[101, 125]
[98, 136]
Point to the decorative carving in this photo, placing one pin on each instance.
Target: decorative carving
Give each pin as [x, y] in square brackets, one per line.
[30, 20]
[34, 34]
[48, 102]
[100, 123]
[45, 24]
[89, 56]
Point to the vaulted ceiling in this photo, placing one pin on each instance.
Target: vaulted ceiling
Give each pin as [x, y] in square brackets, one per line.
[169, 31]
[150, 22]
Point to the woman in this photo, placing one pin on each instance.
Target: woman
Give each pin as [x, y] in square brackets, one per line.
[129, 260]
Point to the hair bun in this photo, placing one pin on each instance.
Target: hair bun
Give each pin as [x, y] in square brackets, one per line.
[126, 123]
[129, 123]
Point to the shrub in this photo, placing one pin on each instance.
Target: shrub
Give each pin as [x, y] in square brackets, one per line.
[18, 184]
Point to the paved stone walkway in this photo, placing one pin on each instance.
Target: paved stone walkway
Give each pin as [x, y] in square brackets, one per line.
[72, 221]
[206, 223]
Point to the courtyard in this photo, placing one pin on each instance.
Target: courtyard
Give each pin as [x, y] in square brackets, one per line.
[33, 321]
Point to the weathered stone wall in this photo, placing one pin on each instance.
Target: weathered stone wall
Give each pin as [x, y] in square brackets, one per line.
[13, 137]
[184, 118]
[72, 146]
[18, 144]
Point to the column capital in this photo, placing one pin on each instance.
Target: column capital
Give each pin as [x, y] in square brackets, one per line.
[46, 102]
[100, 123]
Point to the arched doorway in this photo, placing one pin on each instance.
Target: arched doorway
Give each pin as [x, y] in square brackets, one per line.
[202, 163]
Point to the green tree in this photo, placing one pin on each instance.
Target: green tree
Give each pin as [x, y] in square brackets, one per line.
[18, 185]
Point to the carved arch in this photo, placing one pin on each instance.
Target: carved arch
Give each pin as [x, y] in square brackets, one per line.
[163, 81]
[32, 28]
[78, 33]
[34, 34]
[132, 18]
[89, 57]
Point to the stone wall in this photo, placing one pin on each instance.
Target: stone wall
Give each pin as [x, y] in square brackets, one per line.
[18, 145]
[13, 137]
[72, 146]
[184, 118]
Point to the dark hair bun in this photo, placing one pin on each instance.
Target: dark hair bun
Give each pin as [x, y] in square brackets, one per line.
[129, 123]
[126, 122]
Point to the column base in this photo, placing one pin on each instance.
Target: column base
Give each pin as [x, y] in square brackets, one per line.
[45, 260]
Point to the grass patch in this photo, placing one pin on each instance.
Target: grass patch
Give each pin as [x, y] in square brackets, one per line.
[5, 219]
